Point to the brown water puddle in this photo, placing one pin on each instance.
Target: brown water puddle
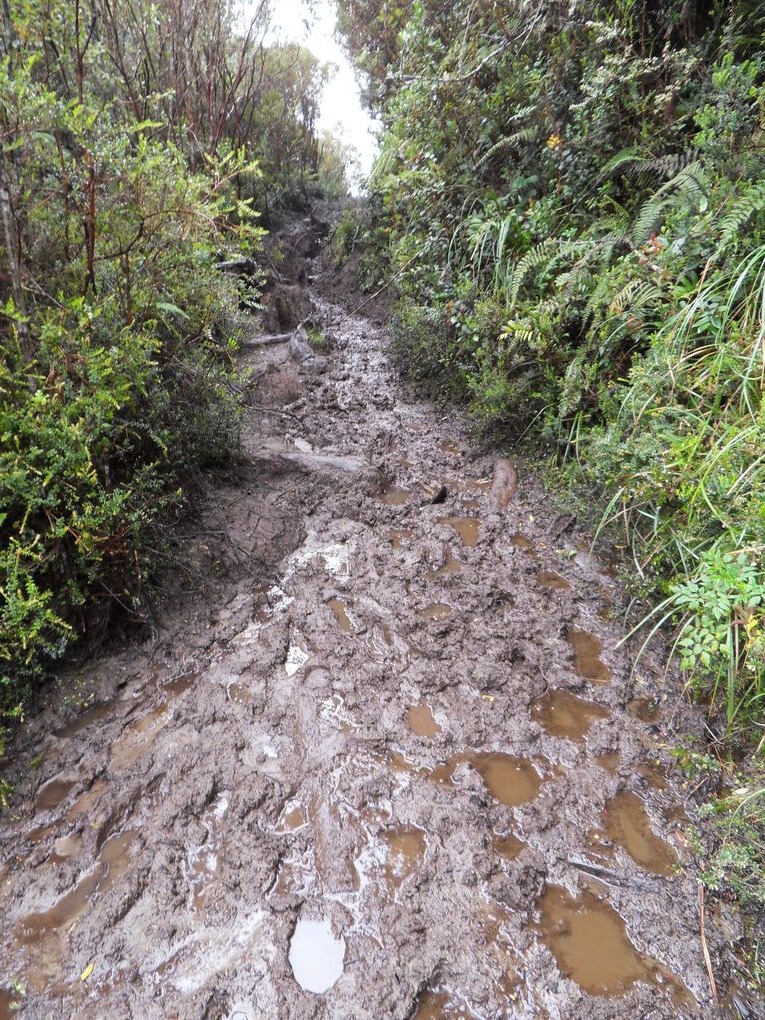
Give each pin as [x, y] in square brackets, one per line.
[435, 611]
[178, 685]
[420, 721]
[644, 709]
[449, 567]
[511, 781]
[507, 846]
[53, 794]
[468, 528]
[10, 1004]
[400, 535]
[587, 649]
[654, 774]
[94, 714]
[522, 542]
[589, 942]
[563, 714]
[343, 620]
[394, 496]
[240, 694]
[552, 580]
[406, 849]
[138, 737]
[627, 824]
[608, 761]
[479, 484]
[112, 863]
[440, 1006]
[87, 801]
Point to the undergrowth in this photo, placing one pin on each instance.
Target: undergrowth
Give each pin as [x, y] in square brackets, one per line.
[585, 184]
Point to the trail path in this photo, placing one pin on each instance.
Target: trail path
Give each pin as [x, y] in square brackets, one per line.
[388, 763]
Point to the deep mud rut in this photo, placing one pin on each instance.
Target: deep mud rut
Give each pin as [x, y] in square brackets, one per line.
[390, 762]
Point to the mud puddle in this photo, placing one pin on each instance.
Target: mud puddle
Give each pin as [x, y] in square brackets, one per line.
[380, 766]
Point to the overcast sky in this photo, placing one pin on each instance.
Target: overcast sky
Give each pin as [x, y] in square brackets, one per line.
[341, 110]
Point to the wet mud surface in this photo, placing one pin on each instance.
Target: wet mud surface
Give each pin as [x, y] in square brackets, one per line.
[388, 763]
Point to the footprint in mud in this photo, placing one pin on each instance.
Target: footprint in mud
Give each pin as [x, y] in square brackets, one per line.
[512, 781]
[627, 824]
[589, 942]
[563, 714]
[587, 662]
[421, 721]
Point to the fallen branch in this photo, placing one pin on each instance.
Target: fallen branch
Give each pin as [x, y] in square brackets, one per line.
[705, 947]
[265, 341]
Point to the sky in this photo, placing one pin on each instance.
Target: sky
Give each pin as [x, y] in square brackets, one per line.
[341, 110]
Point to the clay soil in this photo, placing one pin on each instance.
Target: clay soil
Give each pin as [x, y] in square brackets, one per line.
[385, 760]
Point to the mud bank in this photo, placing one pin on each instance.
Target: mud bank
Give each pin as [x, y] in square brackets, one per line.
[389, 762]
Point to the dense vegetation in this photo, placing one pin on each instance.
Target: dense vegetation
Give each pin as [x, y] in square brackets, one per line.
[140, 142]
[570, 197]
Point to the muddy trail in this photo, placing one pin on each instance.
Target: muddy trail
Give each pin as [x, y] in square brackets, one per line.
[385, 761]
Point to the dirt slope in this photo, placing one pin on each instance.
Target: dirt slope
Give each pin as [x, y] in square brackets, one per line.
[389, 753]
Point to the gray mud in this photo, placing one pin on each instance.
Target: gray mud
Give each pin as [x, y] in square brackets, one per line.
[387, 763]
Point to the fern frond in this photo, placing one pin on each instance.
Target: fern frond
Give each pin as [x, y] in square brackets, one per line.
[745, 207]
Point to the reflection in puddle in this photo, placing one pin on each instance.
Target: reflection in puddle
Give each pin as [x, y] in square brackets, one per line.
[112, 863]
[420, 721]
[292, 818]
[398, 536]
[511, 781]
[93, 714]
[53, 793]
[589, 942]
[203, 861]
[587, 649]
[466, 527]
[562, 714]
[316, 956]
[406, 849]
[334, 711]
[449, 567]
[435, 611]
[338, 607]
[552, 580]
[296, 659]
[628, 825]
[395, 497]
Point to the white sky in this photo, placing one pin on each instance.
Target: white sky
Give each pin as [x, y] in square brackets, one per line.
[341, 110]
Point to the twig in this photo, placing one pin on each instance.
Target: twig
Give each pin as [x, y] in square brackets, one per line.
[385, 286]
[705, 947]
